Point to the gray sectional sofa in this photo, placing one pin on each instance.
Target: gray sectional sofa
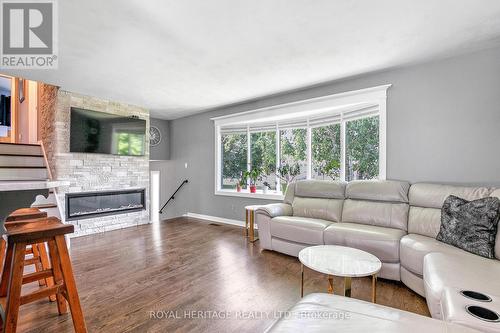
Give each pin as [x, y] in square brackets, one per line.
[395, 221]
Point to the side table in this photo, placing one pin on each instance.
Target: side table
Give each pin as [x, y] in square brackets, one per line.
[250, 231]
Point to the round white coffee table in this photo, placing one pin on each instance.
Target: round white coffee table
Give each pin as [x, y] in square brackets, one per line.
[342, 261]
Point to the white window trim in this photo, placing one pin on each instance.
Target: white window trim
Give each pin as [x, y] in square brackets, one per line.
[331, 104]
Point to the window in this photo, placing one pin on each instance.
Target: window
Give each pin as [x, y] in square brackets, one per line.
[263, 157]
[234, 158]
[326, 157]
[337, 137]
[362, 149]
[293, 143]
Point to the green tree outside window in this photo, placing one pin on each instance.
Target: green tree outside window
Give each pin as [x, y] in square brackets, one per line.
[362, 148]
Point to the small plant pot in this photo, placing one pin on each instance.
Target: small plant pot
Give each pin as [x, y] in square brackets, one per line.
[238, 188]
[253, 189]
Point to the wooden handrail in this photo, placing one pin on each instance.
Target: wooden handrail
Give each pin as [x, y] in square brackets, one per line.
[44, 152]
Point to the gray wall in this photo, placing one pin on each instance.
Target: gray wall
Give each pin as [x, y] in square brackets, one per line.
[161, 152]
[443, 126]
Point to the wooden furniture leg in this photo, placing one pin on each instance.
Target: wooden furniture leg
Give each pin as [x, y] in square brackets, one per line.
[251, 225]
[38, 262]
[4, 284]
[330, 284]
[70, 286]
[44, 258]
[14, 289]
[246, 223]
[347, 286]
[58, 277]
[301, 280]
[3, 248]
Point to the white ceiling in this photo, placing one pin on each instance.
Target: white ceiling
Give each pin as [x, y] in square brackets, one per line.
[181, 57]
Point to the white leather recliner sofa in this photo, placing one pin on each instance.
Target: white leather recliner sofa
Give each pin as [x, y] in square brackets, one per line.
[396, 222]
[371, 216]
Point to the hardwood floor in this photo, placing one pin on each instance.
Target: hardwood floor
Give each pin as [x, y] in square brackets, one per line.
[189, 265]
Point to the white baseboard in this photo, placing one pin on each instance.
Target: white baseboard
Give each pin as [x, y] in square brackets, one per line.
[216, 219]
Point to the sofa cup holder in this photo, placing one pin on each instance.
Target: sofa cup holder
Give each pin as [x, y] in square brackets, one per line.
[482, 313]
[476, 296]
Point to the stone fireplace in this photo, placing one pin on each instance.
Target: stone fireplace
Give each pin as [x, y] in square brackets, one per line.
[102, 195]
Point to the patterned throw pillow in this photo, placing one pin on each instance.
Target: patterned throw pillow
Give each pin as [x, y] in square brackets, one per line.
[470, 225]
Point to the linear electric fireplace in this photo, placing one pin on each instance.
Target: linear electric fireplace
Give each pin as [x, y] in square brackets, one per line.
[92, 204]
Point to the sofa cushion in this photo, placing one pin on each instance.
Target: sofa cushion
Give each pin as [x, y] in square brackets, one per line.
[434, 195]
[461, 271]
[470, 225]
[424, 221]
[413, 249]
[320, 189]
[299, 229]
[326, 209]
[381, 242]
[382, 214]
[378, 190]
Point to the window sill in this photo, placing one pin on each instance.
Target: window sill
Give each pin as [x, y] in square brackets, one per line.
[270, 195]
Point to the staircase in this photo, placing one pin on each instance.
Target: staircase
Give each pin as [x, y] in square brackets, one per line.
[22, 162]
[27, 162]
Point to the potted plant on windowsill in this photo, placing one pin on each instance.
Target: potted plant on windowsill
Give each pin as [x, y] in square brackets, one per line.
[266, 187]
[241, 182]
[252, 175]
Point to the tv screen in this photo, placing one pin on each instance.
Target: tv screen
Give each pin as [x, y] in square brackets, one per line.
[104, 133]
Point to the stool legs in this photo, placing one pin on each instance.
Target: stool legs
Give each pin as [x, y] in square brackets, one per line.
[44, 258]
[58, 277]
[4, 284]
[69, 282]
[15, 285]
[3, 247]
[38, 263]
[62, 283]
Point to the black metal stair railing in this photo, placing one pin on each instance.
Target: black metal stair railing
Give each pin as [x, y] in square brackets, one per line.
[172, 197]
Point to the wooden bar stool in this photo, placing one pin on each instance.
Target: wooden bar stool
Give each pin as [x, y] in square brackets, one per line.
[19, 235]
[37, 253]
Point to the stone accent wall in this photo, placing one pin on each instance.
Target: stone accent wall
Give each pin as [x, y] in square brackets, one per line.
[93, 172]
[47, 98]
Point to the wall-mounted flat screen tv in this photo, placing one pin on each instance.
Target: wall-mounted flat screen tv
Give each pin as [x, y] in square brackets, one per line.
[105, 133]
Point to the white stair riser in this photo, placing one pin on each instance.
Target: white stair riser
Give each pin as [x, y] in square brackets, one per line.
[20, 149]
[23, 174]
[14, 161]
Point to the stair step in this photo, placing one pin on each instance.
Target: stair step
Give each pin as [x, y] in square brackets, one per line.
[21, 161]
[20, 149]
[23, 174]
[44, 206]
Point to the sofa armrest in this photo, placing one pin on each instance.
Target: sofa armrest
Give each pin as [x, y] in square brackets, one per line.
[277, 209]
